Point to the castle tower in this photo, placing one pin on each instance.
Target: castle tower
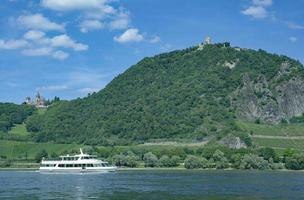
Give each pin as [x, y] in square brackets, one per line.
[208, 40]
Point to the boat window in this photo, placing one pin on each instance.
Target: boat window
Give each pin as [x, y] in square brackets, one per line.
[69, 165]
[105, 164]
[61, 165]
[89, 165]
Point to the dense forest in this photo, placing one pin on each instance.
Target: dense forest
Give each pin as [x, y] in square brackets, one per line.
[11, 114]
[186, 94]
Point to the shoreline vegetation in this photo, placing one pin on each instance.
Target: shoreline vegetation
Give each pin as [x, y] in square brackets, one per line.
[160, 157]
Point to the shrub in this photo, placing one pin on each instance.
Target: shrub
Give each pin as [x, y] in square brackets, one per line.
[192, 162]
[236, 160]
[268, 153]
[252, 161]
[295, 162]
[175, 160]
[220, 160]
[125, 160]
[42, 154]
[150, 160]
[164, 161]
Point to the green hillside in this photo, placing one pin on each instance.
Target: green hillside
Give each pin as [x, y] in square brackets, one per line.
[189, 94]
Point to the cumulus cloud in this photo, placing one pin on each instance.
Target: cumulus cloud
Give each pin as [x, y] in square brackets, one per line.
[34, 35]
[43, 51]
[70, 5]
[88, 25]
[38, 22]
[66, 42]
[120, 21]
[130, 35]
[60, 55]
[256, 12]
[293, 39]
[13, 44]
[263, 3]
[96, 14]
[258, 9]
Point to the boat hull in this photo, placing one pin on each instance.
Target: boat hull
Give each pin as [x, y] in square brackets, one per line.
[77, 170]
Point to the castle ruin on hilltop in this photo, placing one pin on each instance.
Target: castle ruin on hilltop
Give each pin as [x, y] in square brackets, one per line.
[38, 102]
[207, 41]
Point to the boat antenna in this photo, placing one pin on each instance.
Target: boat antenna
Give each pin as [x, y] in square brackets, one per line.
[81, 151]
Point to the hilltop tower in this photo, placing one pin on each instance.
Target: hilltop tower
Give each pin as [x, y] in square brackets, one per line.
[207, 41]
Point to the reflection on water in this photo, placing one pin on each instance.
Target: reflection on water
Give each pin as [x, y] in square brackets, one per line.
[158, 185]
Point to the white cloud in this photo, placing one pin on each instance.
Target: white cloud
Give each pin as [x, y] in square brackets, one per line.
[130, 35]
[13, 44]
[43, 51]
[60, 55]
[39, 22]
[120, 21]
[69, 5]
[155, 39]
[66, 42]
[34, 35]
[292, 25]
[88, 25]
[256, 12]
[52, 88]
[293, 39]
[258, 9]
[263, 3]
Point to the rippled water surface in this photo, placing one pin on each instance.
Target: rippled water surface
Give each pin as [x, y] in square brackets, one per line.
[153, 184]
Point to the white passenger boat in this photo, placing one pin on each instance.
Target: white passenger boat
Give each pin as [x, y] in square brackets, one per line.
[79, 163]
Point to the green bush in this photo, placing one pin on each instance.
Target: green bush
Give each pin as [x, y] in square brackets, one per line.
[220, 160]
[193, 162]
[150, 160]
[252, 161]
[295, 162]
[40, 155]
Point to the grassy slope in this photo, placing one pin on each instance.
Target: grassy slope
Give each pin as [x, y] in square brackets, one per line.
[19, 129]
[276, 136]
[18, 150]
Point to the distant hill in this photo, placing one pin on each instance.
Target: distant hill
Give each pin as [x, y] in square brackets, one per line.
[188, 94]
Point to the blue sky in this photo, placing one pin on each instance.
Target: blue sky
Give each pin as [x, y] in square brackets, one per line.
[68, 48]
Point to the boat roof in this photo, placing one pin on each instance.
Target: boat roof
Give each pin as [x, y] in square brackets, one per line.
[78, 155]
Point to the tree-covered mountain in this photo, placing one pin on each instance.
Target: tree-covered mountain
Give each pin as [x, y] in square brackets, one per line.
[192, 93]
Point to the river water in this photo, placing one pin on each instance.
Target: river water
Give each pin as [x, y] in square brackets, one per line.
[153, 184]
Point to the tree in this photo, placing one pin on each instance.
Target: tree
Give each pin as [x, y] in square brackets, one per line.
[150, 160]
[40, 155]
[164, 161]
[295, 162]
[268, 153]
[236, 160]
[221, 161]
[54, 155]
[175, 160]
[252, 161]
[192, 162]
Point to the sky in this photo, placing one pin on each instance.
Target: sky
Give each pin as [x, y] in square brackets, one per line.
[69, 48]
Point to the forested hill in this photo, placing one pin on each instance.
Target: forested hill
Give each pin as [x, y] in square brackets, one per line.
[189, 94]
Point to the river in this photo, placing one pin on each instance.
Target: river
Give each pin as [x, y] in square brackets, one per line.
[154, 184]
